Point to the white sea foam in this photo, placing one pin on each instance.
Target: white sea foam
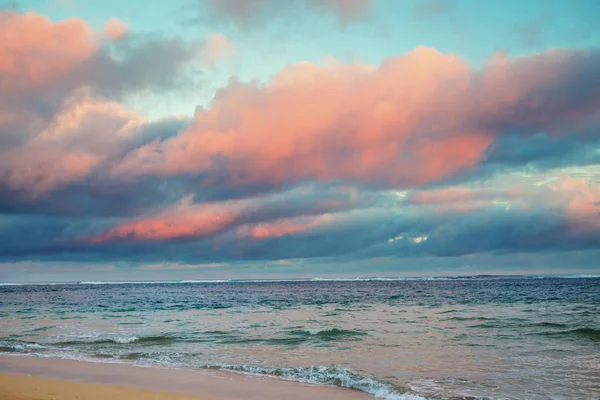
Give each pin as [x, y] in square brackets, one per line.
[315, 331]
[22, 346]
[125, 339]
[326, 375]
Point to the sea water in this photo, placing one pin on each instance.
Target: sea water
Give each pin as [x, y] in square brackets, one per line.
[482, 337]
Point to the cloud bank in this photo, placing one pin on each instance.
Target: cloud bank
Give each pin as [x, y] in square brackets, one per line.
[420, 156]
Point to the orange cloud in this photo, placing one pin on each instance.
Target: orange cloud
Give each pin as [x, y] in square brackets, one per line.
[284, 227]
[115, 29]
[34, 50]
[217, 48]
[55, 127]
[418, 118]
[182, 221]
[83, 134]
[394, 124]
[242, 11]
[581, 199]
[257, 218]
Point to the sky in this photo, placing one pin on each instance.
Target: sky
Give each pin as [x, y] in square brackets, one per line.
[232, 139]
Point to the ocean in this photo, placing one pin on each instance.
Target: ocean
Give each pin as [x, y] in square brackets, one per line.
[481, 337]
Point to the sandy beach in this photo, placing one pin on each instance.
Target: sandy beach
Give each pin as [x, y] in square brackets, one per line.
[36, 378]
[25, 387]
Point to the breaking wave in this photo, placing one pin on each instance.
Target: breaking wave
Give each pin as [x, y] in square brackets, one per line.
[332, 375]
[328, 333]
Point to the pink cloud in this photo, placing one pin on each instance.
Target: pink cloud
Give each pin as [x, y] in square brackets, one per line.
[217, 48]
[578, 199]
[243, 11]
[581, 201]
[391, 124]
[285, 227]
[257, 217]
[55, 129]
[115, 29]
[34, 50]
[345, 9]
[82, 135]
[184, 220]
[418, 118]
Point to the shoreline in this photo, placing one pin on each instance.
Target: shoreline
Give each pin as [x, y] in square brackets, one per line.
[74, 379]
[28, 387]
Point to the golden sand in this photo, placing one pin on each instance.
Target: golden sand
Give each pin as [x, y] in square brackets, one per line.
[25, 387]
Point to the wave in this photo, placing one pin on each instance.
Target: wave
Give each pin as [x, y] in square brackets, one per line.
[295, 337]
[148, 340]
[332, 375]
[18, 346]
[375, 279]
[551, 325]
[328, 333]
[588, 333]
[33, 283]
[448, 312]
[581, 276]
[40, 329]
[469, 319]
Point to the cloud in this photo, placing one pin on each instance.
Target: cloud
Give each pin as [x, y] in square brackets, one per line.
[513, 217]
[419, 118]
[245, 11]
[115, 29]
[43, 63]
[46, 60]
[285, 227]
[421, 156]
[60, 86]
[345, 9]
[429, 8]
[35, 51]
[240, 11]
[217, 48]
[276, 215]
[182, 221]
[581, 199]
[85, 133]
[170, 266]
[333, 122]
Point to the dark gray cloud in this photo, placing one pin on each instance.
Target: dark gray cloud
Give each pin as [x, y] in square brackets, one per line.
[361, 230]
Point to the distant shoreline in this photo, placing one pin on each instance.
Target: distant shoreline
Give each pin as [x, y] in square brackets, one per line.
[316, 279]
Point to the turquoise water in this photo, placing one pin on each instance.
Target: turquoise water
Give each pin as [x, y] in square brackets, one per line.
[478, 337]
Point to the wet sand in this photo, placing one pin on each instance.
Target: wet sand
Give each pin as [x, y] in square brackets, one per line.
[26, 387]
[36, 378]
